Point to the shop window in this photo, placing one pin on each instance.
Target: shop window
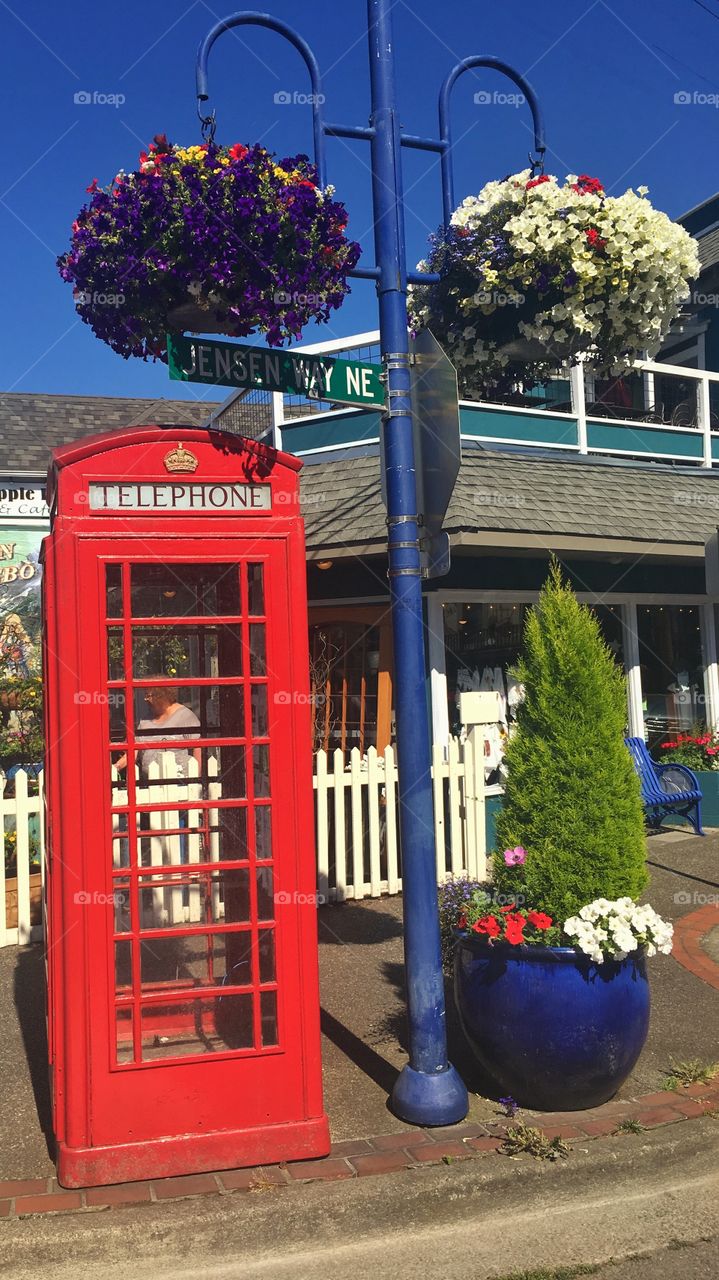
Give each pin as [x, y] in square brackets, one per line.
[483, 644]
[344, 668]
[350, 678]
[670, 660]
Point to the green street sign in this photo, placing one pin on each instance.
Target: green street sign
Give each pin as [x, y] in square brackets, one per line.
[228, 364]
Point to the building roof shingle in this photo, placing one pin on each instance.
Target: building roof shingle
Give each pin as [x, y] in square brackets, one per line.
[32, 425]
[510, 493]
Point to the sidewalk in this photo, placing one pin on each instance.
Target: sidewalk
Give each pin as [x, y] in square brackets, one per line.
[364, 1048]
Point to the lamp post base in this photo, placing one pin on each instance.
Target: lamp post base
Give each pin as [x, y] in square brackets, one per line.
[421, 1098]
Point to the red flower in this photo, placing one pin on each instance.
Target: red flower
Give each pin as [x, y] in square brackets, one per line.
[462, 922]
[539, 919]
[594, 239]
[487, 925]
[160, 144]
[534, 182]
[237, 151]
[93, 187]
[587, 186]
[514, 930]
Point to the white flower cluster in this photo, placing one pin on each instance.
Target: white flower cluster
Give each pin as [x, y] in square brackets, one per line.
[599, 275]
[614, 929]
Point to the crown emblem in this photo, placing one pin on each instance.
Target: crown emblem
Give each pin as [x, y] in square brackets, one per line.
[180, 459]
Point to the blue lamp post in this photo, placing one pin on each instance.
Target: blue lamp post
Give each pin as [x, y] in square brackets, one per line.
[428, 1090]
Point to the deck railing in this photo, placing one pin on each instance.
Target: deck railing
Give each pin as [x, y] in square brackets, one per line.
[658, 412]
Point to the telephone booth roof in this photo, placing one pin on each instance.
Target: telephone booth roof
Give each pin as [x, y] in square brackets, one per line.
[260, 460]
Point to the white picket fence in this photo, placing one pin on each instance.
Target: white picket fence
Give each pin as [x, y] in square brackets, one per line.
[18, 813]
[356, 806]
[357, 829]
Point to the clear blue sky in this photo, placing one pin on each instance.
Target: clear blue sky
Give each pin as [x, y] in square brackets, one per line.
[606, 75]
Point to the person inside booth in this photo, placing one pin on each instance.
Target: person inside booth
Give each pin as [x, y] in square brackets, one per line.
[169, 718]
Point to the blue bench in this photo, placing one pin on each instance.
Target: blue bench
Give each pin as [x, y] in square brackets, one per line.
[666, 788]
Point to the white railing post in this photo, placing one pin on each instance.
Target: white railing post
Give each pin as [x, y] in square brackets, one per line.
[709, 659]
[704, 416]
[22, 848]
[635, 709]
[579, 403]
[278, 417]
[437, 652]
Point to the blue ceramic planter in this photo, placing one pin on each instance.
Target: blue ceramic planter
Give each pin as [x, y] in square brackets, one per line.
[556, 1031]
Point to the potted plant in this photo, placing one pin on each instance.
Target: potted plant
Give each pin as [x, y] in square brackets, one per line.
[534, 272]
[550, 966]
[699, 750]
[211, 239]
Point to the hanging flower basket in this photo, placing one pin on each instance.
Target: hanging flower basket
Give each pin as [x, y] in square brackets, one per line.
[535, 272]
[208, 239]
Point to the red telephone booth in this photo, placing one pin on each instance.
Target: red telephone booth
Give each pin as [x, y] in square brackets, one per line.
[182, 934]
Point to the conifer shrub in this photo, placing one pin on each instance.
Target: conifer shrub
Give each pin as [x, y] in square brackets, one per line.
[572, 797]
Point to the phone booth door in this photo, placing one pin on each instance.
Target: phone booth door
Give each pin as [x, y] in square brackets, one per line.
[198, 958]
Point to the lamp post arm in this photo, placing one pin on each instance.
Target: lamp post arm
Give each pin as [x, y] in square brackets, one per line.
[445, 126]
[255, 19]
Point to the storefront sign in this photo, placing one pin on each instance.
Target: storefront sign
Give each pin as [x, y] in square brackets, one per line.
[18, 500]
[319, 377]
[20, 577]
[180, 497]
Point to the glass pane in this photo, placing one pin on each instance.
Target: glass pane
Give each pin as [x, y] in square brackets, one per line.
[121, 901]
[120, 843]
[197, 1026]
[258, 664]
[344, 671]
[123, 966]
[173, 837]
[258, 701]
[267, 955]
[116, 700]
[123, 1025]
[203, 898]
[670, 659]
[256, 589]
[184, 590]
[268, 1014]
[263, 831]
[115, 654]
[177, 652]
[113, 590]
[197, 960]
[199, 773]
[483, 643]
[261, 765]
[610, 621]
[187, 711]
[265, 895]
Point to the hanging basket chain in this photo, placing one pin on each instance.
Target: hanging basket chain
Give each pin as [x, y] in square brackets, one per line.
[208, 125]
